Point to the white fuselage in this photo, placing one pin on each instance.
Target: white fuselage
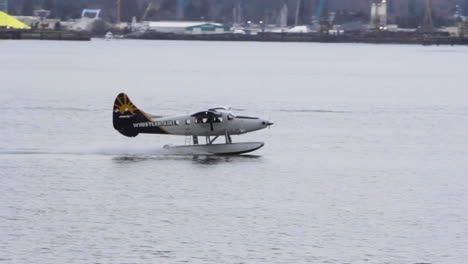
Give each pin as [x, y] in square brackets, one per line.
[187, 125]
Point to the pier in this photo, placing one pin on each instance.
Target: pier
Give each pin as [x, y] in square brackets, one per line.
[378, 37]
[45, 35]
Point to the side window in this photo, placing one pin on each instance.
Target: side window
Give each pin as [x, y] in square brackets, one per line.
[176, 122]
[187, 122]
[230, 117]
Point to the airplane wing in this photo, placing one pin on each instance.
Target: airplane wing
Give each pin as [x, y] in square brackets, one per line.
[207, 114]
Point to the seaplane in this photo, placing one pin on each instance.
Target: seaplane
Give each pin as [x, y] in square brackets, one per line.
[212, 124]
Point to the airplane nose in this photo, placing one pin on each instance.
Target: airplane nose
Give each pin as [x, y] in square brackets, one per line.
[267, 123]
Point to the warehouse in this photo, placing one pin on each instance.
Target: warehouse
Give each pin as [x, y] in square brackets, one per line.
[207, 28]
[187, 27]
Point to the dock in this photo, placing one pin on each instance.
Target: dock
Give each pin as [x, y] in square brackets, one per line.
[382, 37]
[45, 35]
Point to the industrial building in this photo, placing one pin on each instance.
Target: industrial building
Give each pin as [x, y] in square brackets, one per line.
[463, 28]
[378, 18]
[187, 27]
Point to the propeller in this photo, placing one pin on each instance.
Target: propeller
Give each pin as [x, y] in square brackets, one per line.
[269, 123]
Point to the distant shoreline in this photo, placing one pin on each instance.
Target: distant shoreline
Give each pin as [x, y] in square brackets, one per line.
[368, 37]
[45, 35]
[363, 37]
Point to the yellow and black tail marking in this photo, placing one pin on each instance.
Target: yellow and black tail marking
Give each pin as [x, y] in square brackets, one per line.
[127, 118]
[123, 104]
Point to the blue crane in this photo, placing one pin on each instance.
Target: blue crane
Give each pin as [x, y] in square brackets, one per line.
[319, 10]
[180, 9]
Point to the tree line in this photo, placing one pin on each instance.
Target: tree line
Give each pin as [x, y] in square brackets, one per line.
[223, 10]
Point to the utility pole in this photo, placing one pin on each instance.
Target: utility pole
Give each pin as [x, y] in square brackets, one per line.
[283, 17]
[324, 18]
[298, 8]
[237, 13]
[148, 8]
[180, 9]
[118, 11]
[428, 25]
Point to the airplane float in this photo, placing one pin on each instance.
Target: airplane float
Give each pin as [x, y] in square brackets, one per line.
[213, 123]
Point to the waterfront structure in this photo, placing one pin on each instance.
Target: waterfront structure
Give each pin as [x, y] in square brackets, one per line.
[42, 13]
[378, 18]
[187, 27]
[88, 17]
[83, 24]
[452, 31]
[208, 28]
[91, 13]
[463, 28]
[47, 23]
[7, 21]
[300, 29]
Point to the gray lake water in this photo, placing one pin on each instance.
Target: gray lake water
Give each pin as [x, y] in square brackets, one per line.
[367, 161]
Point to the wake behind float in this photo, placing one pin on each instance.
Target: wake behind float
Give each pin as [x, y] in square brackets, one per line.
[213, 123]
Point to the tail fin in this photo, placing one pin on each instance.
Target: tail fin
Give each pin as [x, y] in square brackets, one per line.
[125, 114]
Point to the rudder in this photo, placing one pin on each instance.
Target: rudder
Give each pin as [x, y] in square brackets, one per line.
[125, 114]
